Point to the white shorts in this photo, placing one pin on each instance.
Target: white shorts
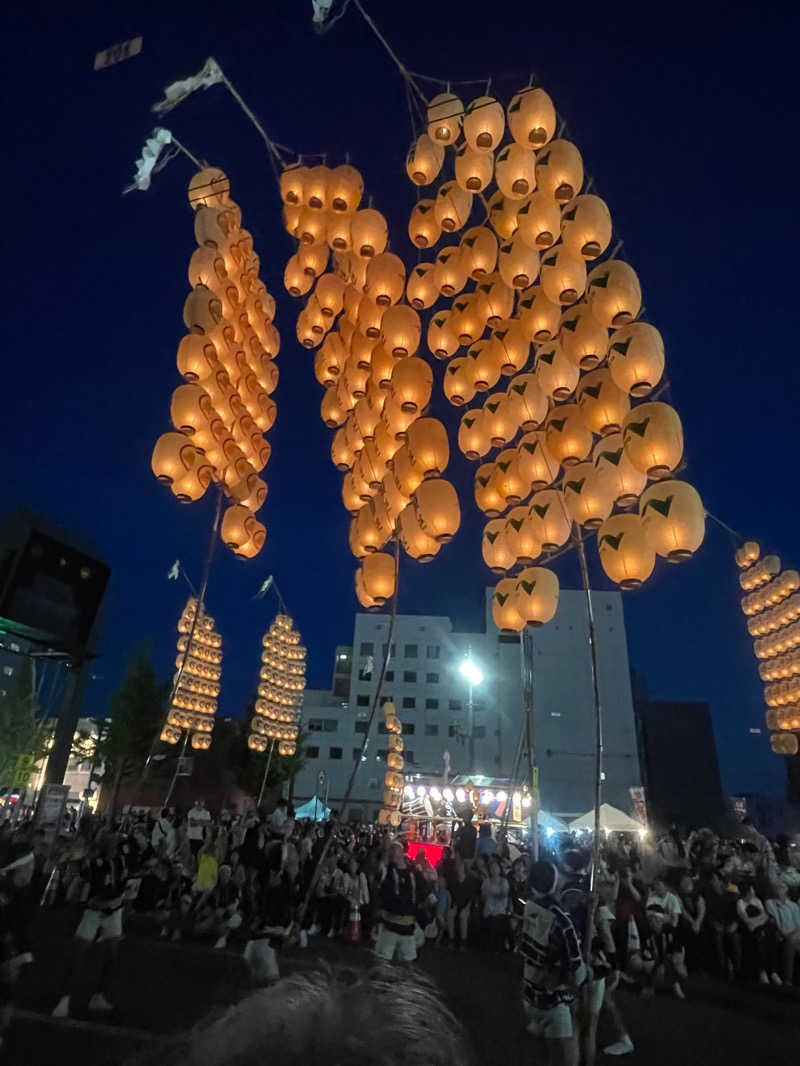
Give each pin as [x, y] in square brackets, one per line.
[108, 926]
[388, 942]
[549, 1023]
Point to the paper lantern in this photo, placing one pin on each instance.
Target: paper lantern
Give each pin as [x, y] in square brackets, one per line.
[567, 435]
[362, 595]
[209, 187]
[449, 273]
[478, 252]
[173, 457]
[396, 501]
[504, 610]
[170, 734]
[512, 345]
[379, 577]
[482, 366]
[466, 318]
[749, 553]
[421, 290]
[559, 170]
[529, 401]
[494, 300]
[312, 226]
[535, 464]
[371, 465]
[202, 310]
[583, 338]
[760, 573]
[487, 497]
[613, 293]
[412, 381]
[484, 124]
[381, 366]
[332, 410]
[673, 519]
[237, 526]
[503, 215]
[424, 160]
[428, 448]
[423, 227]
[337, 233]
[473, 440]
[341, 454]
[345, 188]
[531, 117]
[517, 264]
[458, 385]
[452, 206]
[386, 279]
[368, 233]
[197, 357]
[636, 358]
[362, 348]
[313, 258]
[536, 595]
[563, 275]
[652, 436]
[588, 494]
[499, 423]
[552, 524]
[603, 405]
[415, 541]
[354, 379]
[315, 187]
[330, 295]
[507, 480]
[556, 375]
[538, 221]
[494, 548]
[586, 226]
[333, 354]
[370, 316]
[784, 743]
[515, 172]
[626, 483]
[396, 419]
[401, 331]
[445, 113]
[474, 169]
[291, 218]
[520, 539]
[207, 267]
[437, 509]
[407, 476]
[625, 554]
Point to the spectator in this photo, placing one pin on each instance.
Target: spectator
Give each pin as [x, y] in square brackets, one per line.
[486, 845]
[464, 841]
[199, 820]
[724, 926]
[398, 899]
[494, 890]
[162, 837]
[754, 922]
[786, 915]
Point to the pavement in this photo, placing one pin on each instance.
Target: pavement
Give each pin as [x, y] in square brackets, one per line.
[165, 988]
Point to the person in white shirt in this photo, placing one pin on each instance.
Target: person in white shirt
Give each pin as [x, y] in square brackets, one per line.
[754, 921]
[163, 834]
[278, 818]
[199, 819]
[661, 896]
[786, 915]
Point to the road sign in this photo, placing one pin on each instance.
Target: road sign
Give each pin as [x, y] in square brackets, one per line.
[117, 53]
[22, 771]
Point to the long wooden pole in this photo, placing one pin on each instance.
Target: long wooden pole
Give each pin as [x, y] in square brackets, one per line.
[266, 771]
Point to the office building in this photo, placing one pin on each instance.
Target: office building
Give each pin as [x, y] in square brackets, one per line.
[440, 711]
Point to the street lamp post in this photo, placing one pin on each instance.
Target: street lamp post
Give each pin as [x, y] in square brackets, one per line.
[473, 675]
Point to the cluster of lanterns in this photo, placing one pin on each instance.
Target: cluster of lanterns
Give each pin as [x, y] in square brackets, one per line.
[394, 781]
[527, 308]
[465, 795]
[282, 682]
[199, 665]
[361, 316]
[771, 605]
[227, 359]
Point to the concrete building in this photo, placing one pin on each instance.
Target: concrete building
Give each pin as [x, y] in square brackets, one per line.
[432, 698]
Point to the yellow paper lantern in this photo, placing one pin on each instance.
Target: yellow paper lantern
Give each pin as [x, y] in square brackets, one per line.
[539, 221]
[458, 385]
[636, 358]
[452, 206]
[445, 113]
[484, 124]
[515, 172]
[424, 160]
[370, 316]
[539, 317]
[586, 226]
[423, 227]
[437, 509]
[520, 538]
[673, 519]
[174, 456]
[473, 440]
[379, 577]
[315, 187]
[494, 300]
[653, 439]
[209, 187]
[603, 405]
[428, 448]
[292, 182]
[588, 494]
[466, 318]
[784, 743]
[626, 483]
[237, 527]
[312, 226]
[517, 263]
[449, 273]
[487, 497]
[421, 290]
[503, 215]
[625, 554]
[556, 375]
[529, 401]
[411, 383]
[482, 366]
[613, 293]
[368, 233]
[415, 541]
[386, 279]
[559, 170]
[362, 595]
[583, 338]
[504, 609]
[407, 476]
[531, 117]
[563, 275]
[478, 252]
[473, 169]
[535, 464]
[551, 522]
[749, 553]
[500, 423]
[536, 595]
[401, 331]
[345, 188]
[494, 548]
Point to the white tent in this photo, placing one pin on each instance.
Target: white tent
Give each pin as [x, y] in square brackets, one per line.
[315, 809]
[611, 819]
[549, 821]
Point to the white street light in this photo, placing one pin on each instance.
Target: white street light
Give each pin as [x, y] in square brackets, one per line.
[471, 672]
[473, 675]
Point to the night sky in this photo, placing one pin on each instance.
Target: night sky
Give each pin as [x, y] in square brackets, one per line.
[686, 117]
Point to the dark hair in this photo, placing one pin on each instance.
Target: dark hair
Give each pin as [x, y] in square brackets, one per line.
[543, 877]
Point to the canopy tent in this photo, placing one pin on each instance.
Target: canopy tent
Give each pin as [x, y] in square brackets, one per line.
[611, 819]
[549, 821]
[315, 809]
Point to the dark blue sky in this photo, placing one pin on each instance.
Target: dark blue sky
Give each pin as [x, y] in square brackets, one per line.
[686, 117]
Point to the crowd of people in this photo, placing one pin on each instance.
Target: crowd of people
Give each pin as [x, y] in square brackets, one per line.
[256, 882]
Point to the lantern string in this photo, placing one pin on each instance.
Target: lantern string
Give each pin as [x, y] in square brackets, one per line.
[404, 71]
[725, 526]
[186, 152]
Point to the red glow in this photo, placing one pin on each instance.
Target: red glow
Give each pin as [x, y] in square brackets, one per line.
[432, 852]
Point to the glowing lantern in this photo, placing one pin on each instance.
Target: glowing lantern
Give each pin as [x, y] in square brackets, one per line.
[368, 233]
[538, 221]
[353, 491]
[238, 524]
[334, 354]
[472, 437]
[366, 418]
[518, 264]
[445, 113]
[504, 610]
[315, 187]
[362, 595]
[202, 310]
[312, 226]
[407, 476]
[361, 349]
[370, 316]
[354, 380]
[466, 319]
[411, 384]
[341, 453]
[626, 483]
[337, 233]
[291, 218]
[345, 188]
[292, 183]
[653, 439]
[559, 170]
[673, 519]
[416, 542]
[625, 554]
[784, 743]
[396, 501]
[473, 170]
[423, 228]
[458, 386]
[401, 330]
[636, 358]
[452, 207]
[494, 548]
[424, 160]
[449, 273]
[428, 448]
[567, 436]
[494, 300]
[330, 295]
[557, 376]
[538, 316]
[563, 275]
[206, 267]
[588, 495]
[332, 410]
[396, 418]
[583, 338]
[197, 357]
[515, 172]
[382, 366]
[536, 595]
[379, 577]
[749, 553]
[482, 366]
[503, 215]
[760, 573]
[530, 403]
[613, 293]
[484, 124]
[487, 497]
[442, 342]
[602, 404]
[386, 279]
[437, 509]
[210, 187]
[506, 478]
[531, 117]
[173, 457]
[519, 537]
[552, 524]
[512, 345]
[535, 465]
[421, 290]
[478, 252]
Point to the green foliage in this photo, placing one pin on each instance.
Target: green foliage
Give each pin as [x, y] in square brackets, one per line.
[230, 756]
[21, 733]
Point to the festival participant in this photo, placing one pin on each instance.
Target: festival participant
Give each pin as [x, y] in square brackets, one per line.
[517, 894]
[553, 968]
[494, 890]
[486, 845]
[787, 860]
[463, 888]
[356, 891]
[754, 923]
[464, 842]
[692, 920]
[786, 915]
[199, 819]
[723, 923]
[398, 900]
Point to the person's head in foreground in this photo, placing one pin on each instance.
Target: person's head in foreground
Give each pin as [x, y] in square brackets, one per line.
[543, 879]
[343, 1017]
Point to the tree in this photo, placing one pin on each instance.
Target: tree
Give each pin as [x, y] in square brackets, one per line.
[136, 710]
[21, 732]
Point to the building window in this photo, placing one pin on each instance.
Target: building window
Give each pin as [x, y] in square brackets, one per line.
[389, 675]
[410, 676]
[411, 651]
[8, 670]
[330, 725]
[454, 705]
[431, 730]
[382, 728]
[334, 753]
[431, 705]
[479, 731]
[391, 653]
[432, 679]
[312, 752]
[367, 648]
[408, 729]
[409, 703]
[356, 754]
[365, 672]
[409, 756]
[433, 651]
[362, 700]
[315, 725]
[452, 731]
[361, 727]
[341, 686]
